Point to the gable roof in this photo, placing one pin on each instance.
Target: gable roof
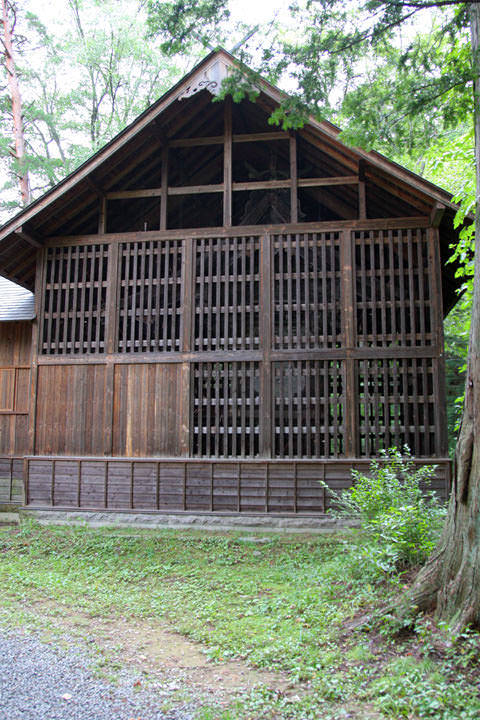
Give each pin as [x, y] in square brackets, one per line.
[21, 236]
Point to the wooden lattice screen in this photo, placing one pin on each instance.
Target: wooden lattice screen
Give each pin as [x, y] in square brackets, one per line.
[225, 409]
[306, 291]
[150, 303]
[392, 285]
[73, 319]
[309, 409]
[227, 294]
[396, 405]
[293, 345]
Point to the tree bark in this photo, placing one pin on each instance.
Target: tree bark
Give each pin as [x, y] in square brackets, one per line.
[450, 580]
[16, 106]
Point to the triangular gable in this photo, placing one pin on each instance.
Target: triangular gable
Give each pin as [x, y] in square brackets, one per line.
[23, 234]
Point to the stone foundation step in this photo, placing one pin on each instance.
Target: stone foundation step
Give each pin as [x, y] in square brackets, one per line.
[9, 518]
[187, 520]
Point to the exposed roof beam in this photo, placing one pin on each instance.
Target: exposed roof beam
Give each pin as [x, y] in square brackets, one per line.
[437, 214]
[28, 237]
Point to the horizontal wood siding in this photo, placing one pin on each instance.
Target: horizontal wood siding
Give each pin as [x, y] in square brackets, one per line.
[197, 486]
[11, 481]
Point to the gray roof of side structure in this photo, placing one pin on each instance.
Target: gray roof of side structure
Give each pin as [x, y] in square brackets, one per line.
[16, 303]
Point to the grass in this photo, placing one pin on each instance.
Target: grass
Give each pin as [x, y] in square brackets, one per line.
[280, 605]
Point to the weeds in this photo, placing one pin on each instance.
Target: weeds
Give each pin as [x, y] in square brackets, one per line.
[281, 605]
[400, 518]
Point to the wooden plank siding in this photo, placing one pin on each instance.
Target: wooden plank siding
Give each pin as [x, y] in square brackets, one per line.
[318, 344]
[230, 367]
[150, 415]
[186, 485]
[15, 356]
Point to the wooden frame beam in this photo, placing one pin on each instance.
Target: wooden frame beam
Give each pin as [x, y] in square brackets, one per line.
[237, 138]
[196, 189]
[436, 215]
[128, 194]
[362, 196]
[293, 178]
[227, 163]
[24, 234]
[417, 221]
[235, 186]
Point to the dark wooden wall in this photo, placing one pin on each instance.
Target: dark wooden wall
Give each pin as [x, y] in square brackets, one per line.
[224, 341]
[196, 485]
[15, 349]
[275, 344]
[15, 358]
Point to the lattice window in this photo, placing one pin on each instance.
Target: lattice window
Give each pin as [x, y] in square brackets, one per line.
[150, 302]
[308, 401]
[397, 406]
[74, 300]
[306, 291]
[393, 293]
[227, 294]
[225, 409]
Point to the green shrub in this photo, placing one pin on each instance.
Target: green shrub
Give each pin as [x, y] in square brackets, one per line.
[400, 518]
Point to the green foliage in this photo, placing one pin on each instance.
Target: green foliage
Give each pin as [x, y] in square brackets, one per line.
[410, 688]
[185, 23]
[81, 82]
[400, 518]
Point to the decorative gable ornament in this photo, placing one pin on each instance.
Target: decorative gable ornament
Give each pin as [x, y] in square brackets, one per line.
[210, 78]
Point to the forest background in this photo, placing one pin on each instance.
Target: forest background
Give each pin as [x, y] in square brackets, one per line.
[87, 68]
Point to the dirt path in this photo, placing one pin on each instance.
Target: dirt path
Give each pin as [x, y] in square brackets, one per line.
[156, 654]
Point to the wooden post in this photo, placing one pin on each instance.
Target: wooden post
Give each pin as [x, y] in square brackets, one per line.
[185, 379]
[164, 195]
[441, 444]
[187, 293]
[350, 394]
[36, 342]
[227, 163]
[266, 428]
[362, 198]
[102, 218]
[111, 331]
[293, 179]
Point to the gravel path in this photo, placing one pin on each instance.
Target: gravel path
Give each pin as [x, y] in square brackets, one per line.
[41, 682]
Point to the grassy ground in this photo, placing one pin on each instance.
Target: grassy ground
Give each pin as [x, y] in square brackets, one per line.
[282, 606]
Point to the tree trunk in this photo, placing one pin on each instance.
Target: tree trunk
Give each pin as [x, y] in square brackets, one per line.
[450, 581]
[16, 106]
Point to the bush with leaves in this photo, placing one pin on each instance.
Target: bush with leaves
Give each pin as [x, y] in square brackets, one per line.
[400, 517]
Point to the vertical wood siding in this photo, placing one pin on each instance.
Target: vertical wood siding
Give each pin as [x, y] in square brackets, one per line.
[15, 357]
[70, 409]
[150, 416]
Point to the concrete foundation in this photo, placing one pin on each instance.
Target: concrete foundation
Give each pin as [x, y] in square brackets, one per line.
[198, 521]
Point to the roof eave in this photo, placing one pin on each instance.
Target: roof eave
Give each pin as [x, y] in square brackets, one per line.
[329, 129]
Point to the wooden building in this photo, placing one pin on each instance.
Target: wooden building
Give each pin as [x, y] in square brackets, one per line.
[226, 313]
